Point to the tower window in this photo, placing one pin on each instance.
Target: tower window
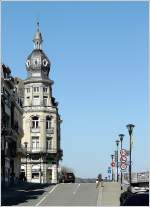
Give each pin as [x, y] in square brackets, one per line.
[36, 89]
[48, 122]
[35, 122]
[45, 89]
[28, 90]
[45, 100]
[36, 101]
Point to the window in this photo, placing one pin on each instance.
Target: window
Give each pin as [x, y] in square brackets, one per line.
[45, 89]
[45, 62]
[28, 90]
[45, 100]
[35, 122]
[28, 97]
[36, 100]
[48, 122]
[35, 142]
[48, 143]
[36, 89]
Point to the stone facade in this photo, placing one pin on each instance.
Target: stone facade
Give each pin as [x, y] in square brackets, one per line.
[41, 122]
[11, 128]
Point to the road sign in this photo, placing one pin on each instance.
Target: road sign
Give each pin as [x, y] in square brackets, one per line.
[109, 171]
[123, 159]
[123, 166]
[123, 152]
[113, 164]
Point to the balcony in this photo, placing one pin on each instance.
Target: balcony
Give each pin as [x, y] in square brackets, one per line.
[40, 150]
[50, 131]
[21, 150]
[35, 130]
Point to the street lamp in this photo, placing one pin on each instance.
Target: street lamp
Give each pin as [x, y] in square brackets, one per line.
[112, 158]
[121, 139]
[26, 143]
[130, 130]
[117, 143]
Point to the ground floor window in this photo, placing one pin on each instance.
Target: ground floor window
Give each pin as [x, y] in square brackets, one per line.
[35, 175]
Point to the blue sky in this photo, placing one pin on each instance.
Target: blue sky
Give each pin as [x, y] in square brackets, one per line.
[99, 63]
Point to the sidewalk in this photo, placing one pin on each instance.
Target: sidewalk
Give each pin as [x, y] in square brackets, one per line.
[13, 193]
[111, 194]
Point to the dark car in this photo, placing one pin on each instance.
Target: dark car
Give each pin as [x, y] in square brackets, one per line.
[137, 199]
[67, 177]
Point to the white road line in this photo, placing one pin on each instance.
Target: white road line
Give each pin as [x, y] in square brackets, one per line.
[74, 192]
[99, 199]
[52, 189]
[40, 201]
[46, 196]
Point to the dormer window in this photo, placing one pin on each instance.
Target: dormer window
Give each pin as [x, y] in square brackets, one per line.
[45, 62]
[28, 63]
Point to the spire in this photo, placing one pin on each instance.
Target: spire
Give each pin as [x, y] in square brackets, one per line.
[37, 38]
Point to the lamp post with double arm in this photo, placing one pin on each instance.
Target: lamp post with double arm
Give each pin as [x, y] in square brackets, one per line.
[130, 130]
[117, 143]
[112, 161]
[121, 140]
[26, 144]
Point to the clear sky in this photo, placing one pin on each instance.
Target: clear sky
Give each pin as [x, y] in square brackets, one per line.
[99, 63]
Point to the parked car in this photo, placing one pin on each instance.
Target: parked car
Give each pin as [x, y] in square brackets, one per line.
[67, 177]
[137, 199]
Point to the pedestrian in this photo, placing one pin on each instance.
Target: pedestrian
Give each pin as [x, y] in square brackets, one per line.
[99, 181]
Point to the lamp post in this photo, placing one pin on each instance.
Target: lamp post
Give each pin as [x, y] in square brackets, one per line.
[117, 143]
[26, 143]
[121, 139]
[112, 158]
[130, 130]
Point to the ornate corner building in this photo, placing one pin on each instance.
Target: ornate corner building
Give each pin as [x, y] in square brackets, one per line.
[41, 120]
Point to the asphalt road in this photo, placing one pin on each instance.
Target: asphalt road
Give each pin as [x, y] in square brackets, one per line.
[77, 194]
[65, 194]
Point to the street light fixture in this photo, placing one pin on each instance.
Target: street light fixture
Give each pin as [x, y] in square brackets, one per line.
[121, 140]
[112, 158]
[117, 143]
[26, 144]
[130, 130]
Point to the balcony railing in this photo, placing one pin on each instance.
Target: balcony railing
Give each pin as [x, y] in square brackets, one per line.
[40, 150]
[50, 131]
[35, 130]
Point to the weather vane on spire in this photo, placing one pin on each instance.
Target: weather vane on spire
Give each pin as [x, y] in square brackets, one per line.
[38, 26]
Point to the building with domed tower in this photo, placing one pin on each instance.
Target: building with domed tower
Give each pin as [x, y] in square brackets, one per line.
[41, 119]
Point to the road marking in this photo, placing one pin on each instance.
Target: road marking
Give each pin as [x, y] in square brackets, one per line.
[52, 189]
[74, 192]
[46, 196]
[99, 199]
[40, 201]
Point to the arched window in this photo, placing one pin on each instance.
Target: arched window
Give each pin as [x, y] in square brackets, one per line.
[35, 122]
[48, 122]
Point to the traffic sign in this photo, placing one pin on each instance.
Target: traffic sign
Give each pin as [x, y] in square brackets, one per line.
[109, 171]
[113, 164]
[123, 166]
[123, 152]
[123, 159]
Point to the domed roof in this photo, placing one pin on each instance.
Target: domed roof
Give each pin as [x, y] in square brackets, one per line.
[38, 60]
